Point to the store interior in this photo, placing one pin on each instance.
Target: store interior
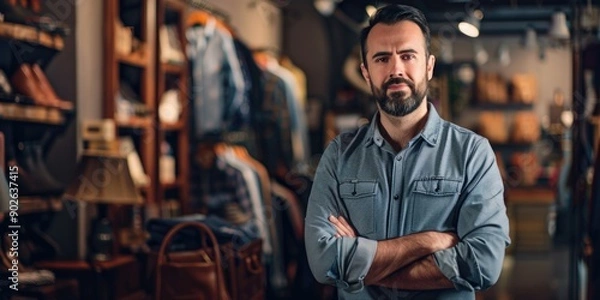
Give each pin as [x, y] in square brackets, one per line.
[120, 120]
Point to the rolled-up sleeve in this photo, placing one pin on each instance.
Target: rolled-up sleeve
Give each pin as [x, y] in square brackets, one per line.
[476, 261]
[343, 262]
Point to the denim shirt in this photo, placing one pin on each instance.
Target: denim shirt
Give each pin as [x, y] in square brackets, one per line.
[217, 80]
[446, 179]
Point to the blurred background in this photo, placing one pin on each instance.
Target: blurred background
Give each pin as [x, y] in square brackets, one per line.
[83, 82]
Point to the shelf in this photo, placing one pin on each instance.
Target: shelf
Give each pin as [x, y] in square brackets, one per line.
[171, 126]
[31, 34]
[135, 122]
[530, 195]
[133, 59]
[31, 114]
[173, 68]
[38, 204]
[503, 106]
[59, 265]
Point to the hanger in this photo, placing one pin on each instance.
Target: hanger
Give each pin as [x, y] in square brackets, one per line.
[203, 5]
[201, 15]
[201, 18]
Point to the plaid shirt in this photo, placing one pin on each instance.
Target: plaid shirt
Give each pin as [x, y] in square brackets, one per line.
[221, 190]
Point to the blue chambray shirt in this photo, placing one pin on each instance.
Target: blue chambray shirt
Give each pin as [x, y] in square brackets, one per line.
[446, 179]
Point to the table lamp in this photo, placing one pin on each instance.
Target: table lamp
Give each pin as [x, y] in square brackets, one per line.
[103, 178]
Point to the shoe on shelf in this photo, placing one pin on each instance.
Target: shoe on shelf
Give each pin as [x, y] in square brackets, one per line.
[48, 90]
[19, 13]
[170, 47]
[32, 82]
[24, 82]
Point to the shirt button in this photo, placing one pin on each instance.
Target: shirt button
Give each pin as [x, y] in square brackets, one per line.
[396, 197]
[399, 158]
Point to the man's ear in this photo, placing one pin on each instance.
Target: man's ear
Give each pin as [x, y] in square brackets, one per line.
[430, 65]
[365, 74]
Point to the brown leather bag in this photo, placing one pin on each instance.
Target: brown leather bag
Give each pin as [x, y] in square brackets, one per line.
[201, 277]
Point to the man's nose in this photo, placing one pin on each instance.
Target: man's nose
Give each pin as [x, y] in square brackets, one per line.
[396, 67]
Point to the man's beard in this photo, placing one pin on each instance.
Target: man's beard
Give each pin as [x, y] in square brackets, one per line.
[398, 104]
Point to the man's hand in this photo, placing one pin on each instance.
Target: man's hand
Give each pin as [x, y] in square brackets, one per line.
[343, 229]
[442, 240]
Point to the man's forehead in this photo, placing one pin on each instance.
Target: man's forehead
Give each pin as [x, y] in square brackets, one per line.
[403, 34]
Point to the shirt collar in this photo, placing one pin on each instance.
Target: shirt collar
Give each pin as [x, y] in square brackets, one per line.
[430, 132]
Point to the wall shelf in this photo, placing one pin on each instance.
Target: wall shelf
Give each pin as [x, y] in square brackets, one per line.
[38, 204]
[134, 59]
[31, 114]
[502, 106]
[30, 34]
[173, 69]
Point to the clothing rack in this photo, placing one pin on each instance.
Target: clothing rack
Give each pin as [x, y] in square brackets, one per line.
[203, 5]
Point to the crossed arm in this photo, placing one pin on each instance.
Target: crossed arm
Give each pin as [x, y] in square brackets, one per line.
[404, 262]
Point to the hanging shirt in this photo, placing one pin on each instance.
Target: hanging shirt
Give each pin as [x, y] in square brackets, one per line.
[217, 80]
[298, 125]
[257, 205]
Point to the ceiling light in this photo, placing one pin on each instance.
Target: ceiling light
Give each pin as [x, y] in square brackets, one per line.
[558, 29]
[370, 10]
[530, 39]
[326, 7]
[503, 54]
[481, 56]
[470, 26]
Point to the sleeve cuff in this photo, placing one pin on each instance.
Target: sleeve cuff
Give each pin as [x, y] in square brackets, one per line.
[446, 262]
[354, 265]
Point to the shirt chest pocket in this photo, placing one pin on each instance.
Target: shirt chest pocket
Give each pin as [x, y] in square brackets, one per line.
[359, 198]
[434, 205]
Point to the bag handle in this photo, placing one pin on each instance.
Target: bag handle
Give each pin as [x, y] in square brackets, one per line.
[204, 232]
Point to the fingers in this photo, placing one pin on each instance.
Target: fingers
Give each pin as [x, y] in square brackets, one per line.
[347, 226]
[342, 227]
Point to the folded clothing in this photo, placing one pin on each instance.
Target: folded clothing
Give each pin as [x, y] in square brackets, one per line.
[189, 238]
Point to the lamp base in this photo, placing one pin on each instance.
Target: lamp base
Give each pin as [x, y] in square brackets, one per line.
[101, 240]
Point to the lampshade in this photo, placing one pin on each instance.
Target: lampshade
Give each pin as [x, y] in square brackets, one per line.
[469, 26]
[558, 28]
[103, 178]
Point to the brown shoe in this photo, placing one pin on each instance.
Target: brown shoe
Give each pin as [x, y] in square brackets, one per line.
[24, 81]
[47, 89]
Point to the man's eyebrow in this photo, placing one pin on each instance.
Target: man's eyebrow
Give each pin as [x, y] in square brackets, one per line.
[381, 53]
[387, 53]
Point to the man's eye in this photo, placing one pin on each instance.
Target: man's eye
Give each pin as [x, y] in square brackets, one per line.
[407, 56]
[381, 59]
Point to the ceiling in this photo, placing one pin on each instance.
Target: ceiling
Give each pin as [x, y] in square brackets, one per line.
[500, 16]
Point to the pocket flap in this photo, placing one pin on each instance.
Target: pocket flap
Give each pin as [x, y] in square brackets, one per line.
[437, 186]
[357, 188]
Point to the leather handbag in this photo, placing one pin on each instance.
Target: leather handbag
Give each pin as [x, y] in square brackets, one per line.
[199, 277]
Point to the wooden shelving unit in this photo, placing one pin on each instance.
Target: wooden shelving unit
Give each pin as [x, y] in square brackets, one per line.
[173, 76]
[141, 60]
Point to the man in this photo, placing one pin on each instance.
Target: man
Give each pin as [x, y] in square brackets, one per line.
[410, 206]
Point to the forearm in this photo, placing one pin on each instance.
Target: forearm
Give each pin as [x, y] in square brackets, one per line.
[422, 274]
[394, 254]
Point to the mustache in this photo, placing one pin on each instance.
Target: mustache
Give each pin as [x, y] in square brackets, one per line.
[398, 80]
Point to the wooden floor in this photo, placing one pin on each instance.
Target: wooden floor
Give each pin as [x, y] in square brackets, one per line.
[533, 276]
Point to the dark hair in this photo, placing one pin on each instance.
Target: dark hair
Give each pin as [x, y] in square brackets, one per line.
[392, 14]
